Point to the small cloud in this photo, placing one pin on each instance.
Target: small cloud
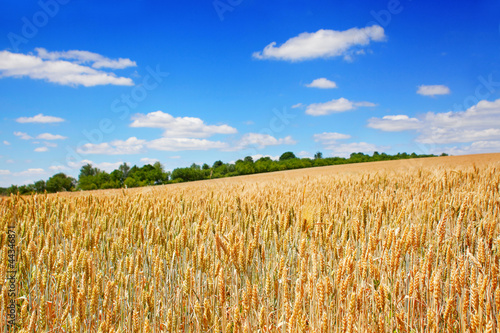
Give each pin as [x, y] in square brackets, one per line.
[260, 140]
[147, 160]
[174, 157]
[248, 122]
[330, 137]
[335, 106]
[394, 123]
[7, 143]
[58, 167]
[304, 153]
[117, 147]
[86, 57]
[40, 119]
[179, 144]
[346, 149]
[50, 144]
[48, 136]
[30, 172]
[257, 156]
[23, 135]
[433, 90]
[298, 105]
[322, 83]
[41, 149]
[5, 172]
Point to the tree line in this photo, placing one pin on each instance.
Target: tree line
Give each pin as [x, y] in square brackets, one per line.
[92, 178]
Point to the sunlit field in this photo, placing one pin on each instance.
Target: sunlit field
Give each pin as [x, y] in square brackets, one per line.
[400, 246]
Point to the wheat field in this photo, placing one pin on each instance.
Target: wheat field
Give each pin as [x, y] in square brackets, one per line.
[403, 246]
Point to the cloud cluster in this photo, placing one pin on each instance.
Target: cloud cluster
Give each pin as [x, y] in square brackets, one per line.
[180, 133]
[480, 122]
[52, 67]
[322, 44]
[179, 127]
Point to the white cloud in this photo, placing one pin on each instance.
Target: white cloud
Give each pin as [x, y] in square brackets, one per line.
[322, 83]
[322, 44]
[41, 149]
[259, 140]
[178, 144]
[50, 144]
[257, 156]
[57, 71]
[23, 135]
[7, 143]
[480, 122]
[478, 147]
[84, 57]
[433, 90]
[4, 172]
[394, 123]
[107, 166]
[48, 136]
[345, 149]
[179, 127]
[40, 119]
[147, 160]
[334, 106]
[298, 105]
[329, 141]
[58, 167]
[117, 147]
[174, 157]
[330, 137]
[30, 172]
[304, 153]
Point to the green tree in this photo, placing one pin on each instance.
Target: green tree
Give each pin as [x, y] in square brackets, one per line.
[248, 159]
[40, 186]
[124, 168]
[88, 170]
[60, 182]
[217, 164]
[287, 156]
[318, 155]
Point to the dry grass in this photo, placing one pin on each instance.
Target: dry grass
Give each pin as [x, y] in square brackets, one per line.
[406, 246]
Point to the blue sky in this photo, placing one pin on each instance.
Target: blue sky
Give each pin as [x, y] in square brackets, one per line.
[138, 81]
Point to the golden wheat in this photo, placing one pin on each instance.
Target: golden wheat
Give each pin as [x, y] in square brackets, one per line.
[379, 251]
